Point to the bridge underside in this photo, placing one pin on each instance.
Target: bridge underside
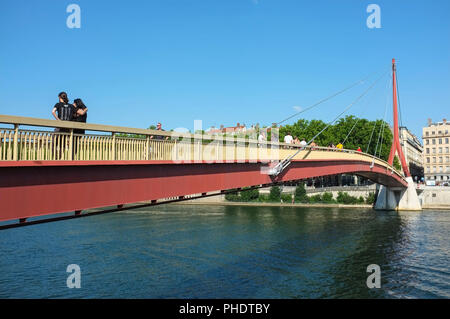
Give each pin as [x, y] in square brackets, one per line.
[29, 189]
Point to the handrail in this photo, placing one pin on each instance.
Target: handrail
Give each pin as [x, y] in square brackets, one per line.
[31, 121]
[24, 141]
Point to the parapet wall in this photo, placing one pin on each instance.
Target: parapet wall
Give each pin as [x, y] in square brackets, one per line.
[435, 197]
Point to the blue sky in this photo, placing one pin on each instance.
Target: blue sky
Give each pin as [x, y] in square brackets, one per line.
[135, 63]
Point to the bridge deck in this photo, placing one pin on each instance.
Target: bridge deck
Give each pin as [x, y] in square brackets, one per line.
[46, 172]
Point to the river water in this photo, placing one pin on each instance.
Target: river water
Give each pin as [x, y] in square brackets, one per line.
[186, 251]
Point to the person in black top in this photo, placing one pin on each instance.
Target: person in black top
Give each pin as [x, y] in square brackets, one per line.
[80, 114]
[159, 137]
[63, 111]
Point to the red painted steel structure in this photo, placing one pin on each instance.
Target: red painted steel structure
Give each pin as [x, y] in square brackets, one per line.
[396, 141]
[37, 188]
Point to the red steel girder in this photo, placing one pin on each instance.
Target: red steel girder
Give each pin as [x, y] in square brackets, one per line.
[36, 188]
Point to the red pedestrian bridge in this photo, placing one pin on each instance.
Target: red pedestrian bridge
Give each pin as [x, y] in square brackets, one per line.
[45, 172]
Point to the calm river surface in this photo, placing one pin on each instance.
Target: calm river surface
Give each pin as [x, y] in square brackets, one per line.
[184, 251]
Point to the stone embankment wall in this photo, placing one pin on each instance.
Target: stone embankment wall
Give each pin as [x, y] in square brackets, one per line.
[355, 191]
[435, 197]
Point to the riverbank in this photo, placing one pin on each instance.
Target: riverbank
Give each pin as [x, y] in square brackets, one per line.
[271, 204]
[195, 203]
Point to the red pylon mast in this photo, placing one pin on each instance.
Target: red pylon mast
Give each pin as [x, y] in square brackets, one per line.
[396, 141]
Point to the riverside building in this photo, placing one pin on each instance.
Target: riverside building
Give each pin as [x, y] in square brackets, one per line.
[436, 155]
[412, 150]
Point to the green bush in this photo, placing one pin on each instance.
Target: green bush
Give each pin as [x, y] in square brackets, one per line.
[300, 194]
[396, 164]
[361, 200]
[370, 199]
[233, 197]
[327, 197]
[315, 198]
[286, 198]
[275, 194]
[345, 198]
[249, 195]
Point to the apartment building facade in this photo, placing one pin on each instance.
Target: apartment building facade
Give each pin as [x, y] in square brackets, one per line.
[412, 150]
[436, 155]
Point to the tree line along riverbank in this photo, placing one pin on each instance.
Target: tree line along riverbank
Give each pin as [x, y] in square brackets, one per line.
[248, 195]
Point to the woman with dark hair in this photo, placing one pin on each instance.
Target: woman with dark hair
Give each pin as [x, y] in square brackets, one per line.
[80, 114]
[63, 111]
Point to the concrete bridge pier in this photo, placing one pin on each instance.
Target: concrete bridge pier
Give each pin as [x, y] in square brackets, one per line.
[397, 198]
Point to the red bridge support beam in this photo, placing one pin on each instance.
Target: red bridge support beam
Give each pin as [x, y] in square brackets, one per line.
[396, 147]
[30, 189]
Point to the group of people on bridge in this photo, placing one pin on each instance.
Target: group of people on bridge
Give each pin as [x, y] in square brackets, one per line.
[65, 111]
[288, 139]
[77, 112]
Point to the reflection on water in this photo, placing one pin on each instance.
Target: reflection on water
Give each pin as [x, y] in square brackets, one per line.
[177, 251]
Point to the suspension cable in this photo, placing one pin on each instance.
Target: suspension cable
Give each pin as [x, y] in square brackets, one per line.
[354, 125]
[283, 164]
[371, 135]
[383, 124]
[325, 99]
[375, 125]
[350, 132]
[348, 107]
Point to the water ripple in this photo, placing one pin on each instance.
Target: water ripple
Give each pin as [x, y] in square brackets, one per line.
[177, 251]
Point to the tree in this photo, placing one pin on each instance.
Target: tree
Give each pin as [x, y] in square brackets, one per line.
[275, 194]
[354, 132]
[248, 194]
[370, 199]
[327, 197]
[300, 193]
[396, 164]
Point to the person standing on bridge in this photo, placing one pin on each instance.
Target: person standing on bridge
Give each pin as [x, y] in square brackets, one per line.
[261, 138]
[340, 146]
[359, 149]
[63, 110]
[80, 114]
[159, 137]
[288, 139]
[303, 143]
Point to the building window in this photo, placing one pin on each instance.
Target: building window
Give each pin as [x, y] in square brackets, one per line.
[428, 160]
[433, 141]
[440, 132]
[434, 159]
[446, 140]
[447, 159]
[440, 159]
[434, 150]
[427, 142]
[440, 141]
[446, 150]
[432, 133]
[440, 150]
